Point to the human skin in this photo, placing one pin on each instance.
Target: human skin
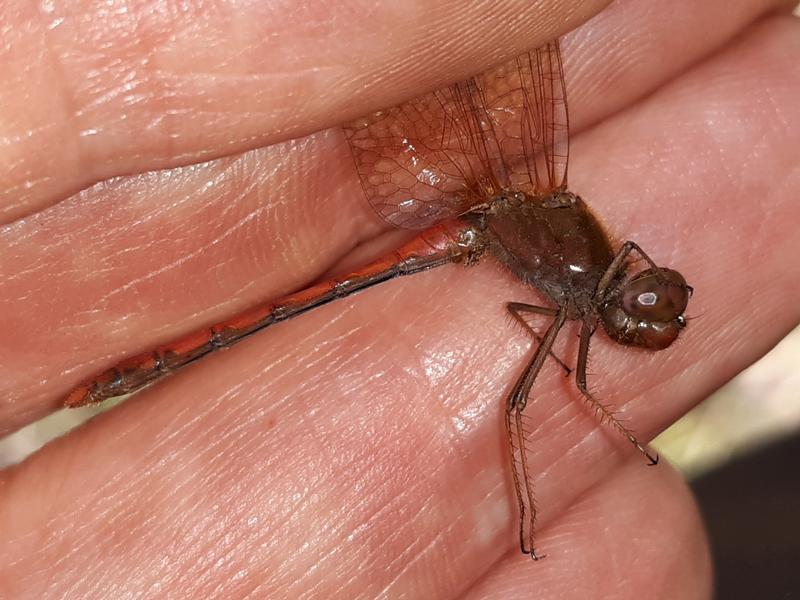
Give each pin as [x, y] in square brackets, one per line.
[358, 451]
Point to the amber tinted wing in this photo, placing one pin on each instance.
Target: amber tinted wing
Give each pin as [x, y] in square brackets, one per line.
[437, 155]
[423, 160]
[527, 103]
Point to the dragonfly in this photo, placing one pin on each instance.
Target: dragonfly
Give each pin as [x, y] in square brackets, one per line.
[480, 167]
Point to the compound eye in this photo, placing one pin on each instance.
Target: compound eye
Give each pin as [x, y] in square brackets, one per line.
[656, 295]
[656, 335]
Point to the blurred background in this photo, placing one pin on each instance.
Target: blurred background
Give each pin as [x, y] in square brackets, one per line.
[740, 451]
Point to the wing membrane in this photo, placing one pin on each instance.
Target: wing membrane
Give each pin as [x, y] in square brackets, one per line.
[436, 155]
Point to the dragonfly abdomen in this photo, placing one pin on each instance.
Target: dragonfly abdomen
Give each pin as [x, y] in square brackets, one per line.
[452, 241]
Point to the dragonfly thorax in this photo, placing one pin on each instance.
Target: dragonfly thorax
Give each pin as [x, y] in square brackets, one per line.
[551, 242]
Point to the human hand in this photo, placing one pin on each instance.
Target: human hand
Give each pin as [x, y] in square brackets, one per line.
[358, 451]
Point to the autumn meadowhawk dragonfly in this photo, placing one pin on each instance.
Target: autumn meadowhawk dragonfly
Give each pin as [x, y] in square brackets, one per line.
[481, 167]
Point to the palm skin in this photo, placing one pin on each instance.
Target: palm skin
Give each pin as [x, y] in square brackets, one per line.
[358, 451]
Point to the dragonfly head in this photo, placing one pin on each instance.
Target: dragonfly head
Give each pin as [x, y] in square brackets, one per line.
[647, 309]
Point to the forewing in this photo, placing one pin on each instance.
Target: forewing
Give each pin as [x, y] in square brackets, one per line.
[437, 155]
[423, 160]
[527, 103]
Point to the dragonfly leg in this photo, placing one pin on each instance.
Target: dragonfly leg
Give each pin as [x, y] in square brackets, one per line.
[515, 404]
[515, 308]
[606, 414]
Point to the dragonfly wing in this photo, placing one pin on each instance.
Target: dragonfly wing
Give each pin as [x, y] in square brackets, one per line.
[526, 100]
[418, 162]
[436, 155]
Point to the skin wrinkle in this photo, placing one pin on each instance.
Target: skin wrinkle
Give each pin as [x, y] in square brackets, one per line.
[388, 505]
[124, 93]
[422, 510]
[115, 524]
[390, 566]
[191, 255]
[316, 363]
[290, 511]
[221, 545]
[351, 540]
[568, 529]
[19, 138]
[228, 403]
[69, 108]
[361, 531]
[398, 579]
[167, 124]
[155, 214]
[138, 26]
[615, 64]
[325, 354]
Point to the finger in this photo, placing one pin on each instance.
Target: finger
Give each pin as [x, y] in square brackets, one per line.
[636, 534]
[165, 252]
[348, 442]
[630, 49]
[709, 212]
[90, 93]
[132, 263]
[171, 88]
[283, 498]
